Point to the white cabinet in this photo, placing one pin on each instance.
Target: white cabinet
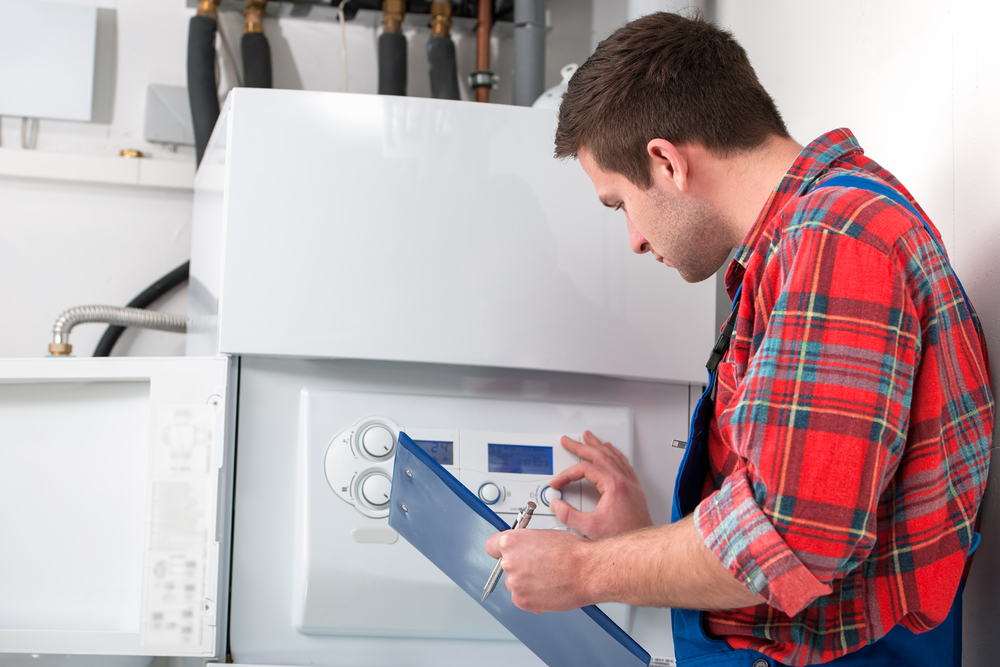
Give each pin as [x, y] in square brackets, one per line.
[114, 497]
[329, 225]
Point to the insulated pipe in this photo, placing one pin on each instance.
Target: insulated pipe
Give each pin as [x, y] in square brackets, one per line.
[392, 49]
[256, 50]
[529, 51]
[441, 54]
[146, 299]
[482, 78]
[123, 317]
[203, 90]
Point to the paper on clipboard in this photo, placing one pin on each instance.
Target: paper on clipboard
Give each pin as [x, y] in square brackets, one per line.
[446, 522]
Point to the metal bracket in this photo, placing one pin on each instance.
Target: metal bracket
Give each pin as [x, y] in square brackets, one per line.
[484, 79]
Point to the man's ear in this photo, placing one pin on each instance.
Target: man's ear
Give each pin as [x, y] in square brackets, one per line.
[668, 164]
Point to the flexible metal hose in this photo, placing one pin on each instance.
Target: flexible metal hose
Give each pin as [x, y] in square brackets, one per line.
[123, 317]
[146, 299]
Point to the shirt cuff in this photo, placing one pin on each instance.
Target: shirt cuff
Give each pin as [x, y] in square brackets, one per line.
[740, 535]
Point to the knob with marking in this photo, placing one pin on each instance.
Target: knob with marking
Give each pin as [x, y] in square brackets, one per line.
[377, 441]
[489, 493]
[549, 494]
[375, 489]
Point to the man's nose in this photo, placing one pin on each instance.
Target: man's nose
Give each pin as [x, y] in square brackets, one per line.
[636, 240]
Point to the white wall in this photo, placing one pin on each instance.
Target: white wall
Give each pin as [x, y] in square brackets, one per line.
[977, 245]
[918, 81]
[65, 244]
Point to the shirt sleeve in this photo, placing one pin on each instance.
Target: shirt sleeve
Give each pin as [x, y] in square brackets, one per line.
[818, 420]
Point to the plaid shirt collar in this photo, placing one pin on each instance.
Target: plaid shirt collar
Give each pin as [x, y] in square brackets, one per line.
[812, 162]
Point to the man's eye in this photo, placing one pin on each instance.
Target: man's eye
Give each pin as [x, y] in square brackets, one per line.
[620, 206]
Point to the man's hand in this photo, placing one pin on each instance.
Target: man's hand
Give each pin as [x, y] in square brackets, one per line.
[661, 566]
[544, 570]
[622, 506]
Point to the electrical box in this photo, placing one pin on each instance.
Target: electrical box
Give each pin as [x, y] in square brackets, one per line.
[168, 115]
[48, 52]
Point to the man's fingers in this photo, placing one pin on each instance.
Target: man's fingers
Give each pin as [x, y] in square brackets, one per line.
[592, 439]
[571, 474]
[596, 475]
[572, 445]
[493, 545]
[622, 460]
[598, 454]
[570, 516]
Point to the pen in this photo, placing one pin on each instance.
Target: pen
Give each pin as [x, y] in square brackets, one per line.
[523, 517]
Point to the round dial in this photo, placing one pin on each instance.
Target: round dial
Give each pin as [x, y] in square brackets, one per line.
[549, 494]
[375, 489]
[489, 493]
[377, 441]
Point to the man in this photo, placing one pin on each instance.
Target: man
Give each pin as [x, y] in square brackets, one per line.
[826, 507]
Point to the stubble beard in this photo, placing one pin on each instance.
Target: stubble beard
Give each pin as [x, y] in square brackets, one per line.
[695, 236]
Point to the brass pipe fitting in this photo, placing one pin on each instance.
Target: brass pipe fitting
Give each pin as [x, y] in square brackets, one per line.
[253, 16]
[209, 9]
[392, 15]
[60, 349]
[440, 19]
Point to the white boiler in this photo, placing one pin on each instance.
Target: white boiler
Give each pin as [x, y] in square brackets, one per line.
[361, 265]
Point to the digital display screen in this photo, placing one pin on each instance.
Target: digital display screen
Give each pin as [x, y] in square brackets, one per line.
[442, 451]
[520, 459]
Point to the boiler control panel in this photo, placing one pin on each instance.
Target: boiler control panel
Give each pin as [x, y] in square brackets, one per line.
[505, 469]
[505, 451]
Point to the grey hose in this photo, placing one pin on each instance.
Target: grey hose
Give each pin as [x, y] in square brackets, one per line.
[123, 317]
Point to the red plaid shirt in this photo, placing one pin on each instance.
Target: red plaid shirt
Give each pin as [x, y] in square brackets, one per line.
[853, 421]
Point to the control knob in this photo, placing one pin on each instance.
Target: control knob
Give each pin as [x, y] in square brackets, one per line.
[375, 489]
[549, 494]
[489, 493]
[377, 441]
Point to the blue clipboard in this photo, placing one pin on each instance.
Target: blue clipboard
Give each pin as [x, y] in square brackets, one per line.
[447, 523]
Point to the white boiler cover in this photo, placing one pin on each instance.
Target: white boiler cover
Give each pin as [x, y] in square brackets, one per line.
[375, 227]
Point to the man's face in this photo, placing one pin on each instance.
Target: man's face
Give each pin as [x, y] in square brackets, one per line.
[679, 231]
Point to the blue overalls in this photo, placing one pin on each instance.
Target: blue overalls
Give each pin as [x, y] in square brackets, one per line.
[900, 647]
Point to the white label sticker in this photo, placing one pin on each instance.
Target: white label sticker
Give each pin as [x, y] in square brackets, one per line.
[179, 511]
[662, 662]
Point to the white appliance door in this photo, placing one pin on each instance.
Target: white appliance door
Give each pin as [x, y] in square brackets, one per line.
[111, 475]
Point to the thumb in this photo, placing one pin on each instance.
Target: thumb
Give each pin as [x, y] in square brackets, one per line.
[493, 545]
[569, 515]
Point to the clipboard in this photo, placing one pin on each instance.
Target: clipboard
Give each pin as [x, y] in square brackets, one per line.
[449, 524]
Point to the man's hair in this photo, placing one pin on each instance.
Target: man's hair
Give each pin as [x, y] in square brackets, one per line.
[664, 76]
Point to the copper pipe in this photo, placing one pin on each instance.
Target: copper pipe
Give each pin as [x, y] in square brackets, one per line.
[485, 14]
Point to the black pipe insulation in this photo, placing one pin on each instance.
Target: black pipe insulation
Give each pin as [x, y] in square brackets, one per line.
[443, 68]
[152, 293]
[202, 87]
[256, 60]
[392, 63]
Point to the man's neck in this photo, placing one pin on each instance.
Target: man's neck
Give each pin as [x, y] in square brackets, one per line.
[753, 178]
[740, 186]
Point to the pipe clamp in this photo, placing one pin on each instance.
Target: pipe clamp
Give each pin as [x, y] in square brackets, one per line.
[484, 79]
